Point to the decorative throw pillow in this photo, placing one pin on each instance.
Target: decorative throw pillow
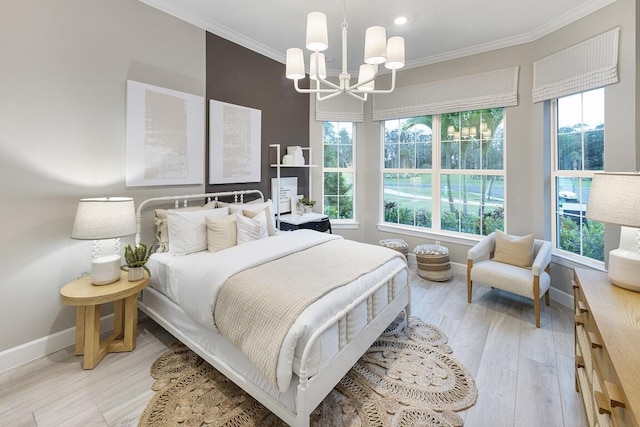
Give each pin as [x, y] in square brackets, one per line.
[249, 229]
[514, 250]
[257, 207]
[260, 216]
[162, 226]
[221, 232]
[188, 229]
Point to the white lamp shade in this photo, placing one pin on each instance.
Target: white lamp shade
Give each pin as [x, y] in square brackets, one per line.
[367, 72]
[295, 64]
[104, 218]
[318, 58]
[473, 131]
[615, 198]
[464, 132]
[451, 131]
[317, 38]
[375, 45]
[395, 53]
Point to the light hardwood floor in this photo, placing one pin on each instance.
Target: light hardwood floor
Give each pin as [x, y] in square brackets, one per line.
[525, 375]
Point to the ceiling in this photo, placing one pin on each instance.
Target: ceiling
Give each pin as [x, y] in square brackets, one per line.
[437, 30]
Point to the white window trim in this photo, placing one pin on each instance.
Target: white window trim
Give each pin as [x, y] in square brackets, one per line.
[436, 173]
[565, 258]
[341, 222]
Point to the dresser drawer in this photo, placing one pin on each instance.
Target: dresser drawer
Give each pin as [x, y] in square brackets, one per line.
[607, 344]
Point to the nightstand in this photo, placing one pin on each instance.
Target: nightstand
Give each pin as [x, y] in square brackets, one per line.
[87, 297]
[311, 220]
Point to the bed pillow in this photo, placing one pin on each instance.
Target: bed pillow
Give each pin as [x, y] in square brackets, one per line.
[260, 216]
[162, 226]
[257, 207]
[188, 229]
[250, 229]
[221, 232]
[514, 250]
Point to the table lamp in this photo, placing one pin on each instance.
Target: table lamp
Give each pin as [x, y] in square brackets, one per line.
[615, 198]
[104, 218]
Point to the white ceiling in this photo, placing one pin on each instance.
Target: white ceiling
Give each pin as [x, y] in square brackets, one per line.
[437, 30]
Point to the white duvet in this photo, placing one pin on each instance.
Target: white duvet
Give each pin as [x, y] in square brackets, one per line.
[193, 282]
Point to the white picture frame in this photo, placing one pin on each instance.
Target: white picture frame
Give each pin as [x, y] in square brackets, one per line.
[234, 143]
[165, 136]
[288, 188]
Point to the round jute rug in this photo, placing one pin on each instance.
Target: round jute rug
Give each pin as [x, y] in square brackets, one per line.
[406, 378]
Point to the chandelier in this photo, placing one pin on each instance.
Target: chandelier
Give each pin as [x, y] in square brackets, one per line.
[377, 50]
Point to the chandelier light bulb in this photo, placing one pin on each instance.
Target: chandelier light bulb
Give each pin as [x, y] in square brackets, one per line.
[317, 58]
[317, 38]
[295, 63]
[395, 53]
[367, 72]
[375, 45]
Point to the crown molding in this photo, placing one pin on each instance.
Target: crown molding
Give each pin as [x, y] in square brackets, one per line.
[177, 10]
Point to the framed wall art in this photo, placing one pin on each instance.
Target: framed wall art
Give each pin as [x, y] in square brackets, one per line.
[234, 143]
[165, 133]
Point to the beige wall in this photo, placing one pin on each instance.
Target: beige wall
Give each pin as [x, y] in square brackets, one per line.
[527, 159]
[62, 136]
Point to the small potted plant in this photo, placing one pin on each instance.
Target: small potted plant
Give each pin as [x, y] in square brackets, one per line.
[135, 260]
[307, 204]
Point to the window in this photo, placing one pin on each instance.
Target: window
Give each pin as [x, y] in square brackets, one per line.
[463, 189]
[338, 170]
[578, 153]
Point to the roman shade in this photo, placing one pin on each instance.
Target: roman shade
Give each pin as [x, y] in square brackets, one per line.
[587, 65]
[477, 91]
[341, 108]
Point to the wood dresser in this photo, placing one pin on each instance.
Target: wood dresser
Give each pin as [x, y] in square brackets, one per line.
[607, 322]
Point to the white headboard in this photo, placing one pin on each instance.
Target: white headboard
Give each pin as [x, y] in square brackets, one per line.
[182, 201]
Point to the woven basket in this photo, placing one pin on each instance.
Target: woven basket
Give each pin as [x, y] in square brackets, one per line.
[433, 262]
[397, 245]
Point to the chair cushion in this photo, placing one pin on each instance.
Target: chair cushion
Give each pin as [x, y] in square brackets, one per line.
[514, 250]
[508, 277]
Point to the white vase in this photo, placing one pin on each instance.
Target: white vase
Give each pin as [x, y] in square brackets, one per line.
[296, 152]
[135, 274]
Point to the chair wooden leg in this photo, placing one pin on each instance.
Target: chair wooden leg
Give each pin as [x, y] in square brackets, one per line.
[536, 299]
[547, 298]
[469, 283]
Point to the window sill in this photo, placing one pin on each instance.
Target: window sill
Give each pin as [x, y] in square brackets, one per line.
[441, 236]
[344, 225]
[572, 261]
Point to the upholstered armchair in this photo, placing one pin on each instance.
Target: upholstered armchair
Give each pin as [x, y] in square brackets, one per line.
[515, 264]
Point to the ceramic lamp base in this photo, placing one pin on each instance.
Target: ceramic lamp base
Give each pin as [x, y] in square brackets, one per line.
[105, 270]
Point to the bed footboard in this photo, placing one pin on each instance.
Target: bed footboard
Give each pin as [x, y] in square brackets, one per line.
[312, 390]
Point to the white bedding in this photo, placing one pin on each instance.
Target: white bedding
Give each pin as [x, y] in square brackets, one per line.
[192, 281]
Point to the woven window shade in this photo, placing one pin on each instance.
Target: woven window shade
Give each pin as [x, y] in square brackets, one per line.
[341, 108]
[478, 91]
[587, 65]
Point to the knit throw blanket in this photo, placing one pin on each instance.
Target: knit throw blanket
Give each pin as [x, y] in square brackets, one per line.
[256, 308]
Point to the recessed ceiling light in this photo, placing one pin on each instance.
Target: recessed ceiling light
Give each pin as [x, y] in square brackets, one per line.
[400, 20]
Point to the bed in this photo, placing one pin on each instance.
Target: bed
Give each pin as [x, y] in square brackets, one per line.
[273, 292]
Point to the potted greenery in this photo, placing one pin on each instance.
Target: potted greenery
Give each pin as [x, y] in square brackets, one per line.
[135, 260]
[307, 204]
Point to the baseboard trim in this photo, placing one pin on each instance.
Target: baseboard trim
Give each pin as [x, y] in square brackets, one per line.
[16, 356]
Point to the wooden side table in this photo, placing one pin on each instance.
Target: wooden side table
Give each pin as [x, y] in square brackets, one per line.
[87, 298]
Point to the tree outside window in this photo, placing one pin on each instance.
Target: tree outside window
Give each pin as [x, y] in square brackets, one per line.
[579, 152]
[338, 170]
[463, 189]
